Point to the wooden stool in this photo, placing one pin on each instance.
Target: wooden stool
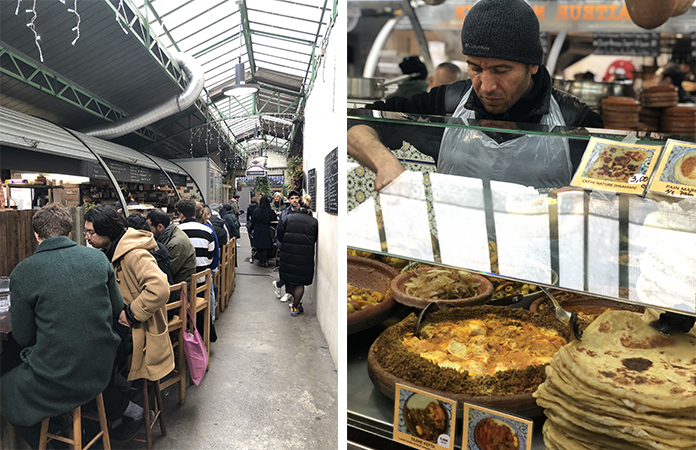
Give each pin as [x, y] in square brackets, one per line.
[75, 439]
[154, 389]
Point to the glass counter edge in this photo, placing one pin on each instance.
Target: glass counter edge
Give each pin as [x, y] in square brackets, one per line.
[579, 133]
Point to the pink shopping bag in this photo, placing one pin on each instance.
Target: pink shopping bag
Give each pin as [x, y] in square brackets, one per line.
[194, 347]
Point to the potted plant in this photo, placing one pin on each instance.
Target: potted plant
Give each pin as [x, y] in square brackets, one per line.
[262, 186]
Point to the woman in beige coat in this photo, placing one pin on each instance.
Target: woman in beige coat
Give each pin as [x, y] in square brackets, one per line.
[145, 292]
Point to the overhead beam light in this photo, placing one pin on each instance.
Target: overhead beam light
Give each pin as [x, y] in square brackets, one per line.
[240, 89]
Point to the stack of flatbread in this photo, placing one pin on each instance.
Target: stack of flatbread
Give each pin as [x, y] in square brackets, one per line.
[624, 386]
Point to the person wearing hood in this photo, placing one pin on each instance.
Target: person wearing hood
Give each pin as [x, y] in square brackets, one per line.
[507, 82]
[218, 223]
[277, 204]
[145, 292]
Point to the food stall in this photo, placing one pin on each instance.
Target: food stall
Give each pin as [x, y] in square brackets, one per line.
[75, 168]
[616, 241]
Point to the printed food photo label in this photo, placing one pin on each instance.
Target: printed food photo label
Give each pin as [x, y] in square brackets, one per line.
[616, 167]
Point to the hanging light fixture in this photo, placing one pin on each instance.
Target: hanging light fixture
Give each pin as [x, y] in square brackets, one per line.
[240, 88]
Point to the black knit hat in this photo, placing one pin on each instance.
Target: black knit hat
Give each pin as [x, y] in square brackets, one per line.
[502, 29]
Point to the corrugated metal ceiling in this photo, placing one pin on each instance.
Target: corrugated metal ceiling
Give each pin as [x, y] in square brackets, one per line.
[109, 73]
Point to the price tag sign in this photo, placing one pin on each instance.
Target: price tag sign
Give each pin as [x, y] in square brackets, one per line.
[637, 179]
[424, 420]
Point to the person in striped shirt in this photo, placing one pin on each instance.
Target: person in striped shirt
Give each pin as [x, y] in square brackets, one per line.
[200, 235]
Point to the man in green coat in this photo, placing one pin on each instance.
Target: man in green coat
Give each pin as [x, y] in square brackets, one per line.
[65, 300]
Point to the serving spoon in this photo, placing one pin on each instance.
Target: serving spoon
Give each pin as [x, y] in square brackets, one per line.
[561, 314]
[420, 318]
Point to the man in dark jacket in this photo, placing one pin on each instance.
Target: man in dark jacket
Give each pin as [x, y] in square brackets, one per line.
[181, 252]
[161, 254]
[500, 39]
[66, 328]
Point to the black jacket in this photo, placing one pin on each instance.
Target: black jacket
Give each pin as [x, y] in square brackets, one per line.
[218, 224]
[443, 101]
[261, 227]
[298, 233]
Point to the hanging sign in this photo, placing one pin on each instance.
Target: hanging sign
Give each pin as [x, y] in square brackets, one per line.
[312, 187]
[585, 17]
[256, 169]
[331, 182]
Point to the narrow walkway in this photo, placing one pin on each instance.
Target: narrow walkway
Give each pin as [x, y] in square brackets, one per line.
[272, 383]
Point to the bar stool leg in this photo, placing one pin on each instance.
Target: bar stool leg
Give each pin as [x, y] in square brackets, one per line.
[104, 425]
[146, 411]
[76, 432]
[43, 439]
[158, 395]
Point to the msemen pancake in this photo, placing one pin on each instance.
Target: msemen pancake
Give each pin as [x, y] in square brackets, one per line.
[685, 169]
[624, 386]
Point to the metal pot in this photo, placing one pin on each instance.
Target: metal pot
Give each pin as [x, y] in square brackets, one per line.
[372, 88]
[365, 88]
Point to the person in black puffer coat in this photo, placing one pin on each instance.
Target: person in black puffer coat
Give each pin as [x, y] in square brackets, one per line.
[261, 227]
[298, 233]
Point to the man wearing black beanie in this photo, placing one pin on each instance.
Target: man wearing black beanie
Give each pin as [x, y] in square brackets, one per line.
[500, 39]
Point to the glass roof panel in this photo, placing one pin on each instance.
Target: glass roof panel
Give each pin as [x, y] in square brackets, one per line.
[282, 34]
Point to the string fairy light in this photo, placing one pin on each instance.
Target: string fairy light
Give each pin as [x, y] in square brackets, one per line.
[32, 27]
[19, 2]
[76, 28]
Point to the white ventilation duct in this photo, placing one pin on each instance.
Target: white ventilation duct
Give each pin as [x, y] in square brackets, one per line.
[181, 102]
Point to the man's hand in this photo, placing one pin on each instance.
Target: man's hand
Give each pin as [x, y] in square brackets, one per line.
[123, 320]
[365, 147]
[387, 173]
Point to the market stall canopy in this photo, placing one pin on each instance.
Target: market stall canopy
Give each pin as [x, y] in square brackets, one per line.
[86, 64]
[32, 133]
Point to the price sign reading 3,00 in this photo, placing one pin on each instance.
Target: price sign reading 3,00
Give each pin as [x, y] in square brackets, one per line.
[637, 179]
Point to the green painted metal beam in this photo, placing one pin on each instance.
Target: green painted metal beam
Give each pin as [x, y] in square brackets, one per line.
[139, 29]
[247, 39]
[33, 74]
[149, 8]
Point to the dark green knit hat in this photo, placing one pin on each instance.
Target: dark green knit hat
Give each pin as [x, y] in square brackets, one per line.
[502, 29]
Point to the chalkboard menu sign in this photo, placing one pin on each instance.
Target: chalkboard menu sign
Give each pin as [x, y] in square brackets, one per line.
[626, 44]
[134, 174]
[312, 187]
[331, 182]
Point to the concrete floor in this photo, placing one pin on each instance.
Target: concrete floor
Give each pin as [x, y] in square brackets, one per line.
[271, 385]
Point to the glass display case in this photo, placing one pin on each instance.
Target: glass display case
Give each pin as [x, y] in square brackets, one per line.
[631, 248]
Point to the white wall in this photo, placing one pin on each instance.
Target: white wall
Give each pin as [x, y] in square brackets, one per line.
[324, 130]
